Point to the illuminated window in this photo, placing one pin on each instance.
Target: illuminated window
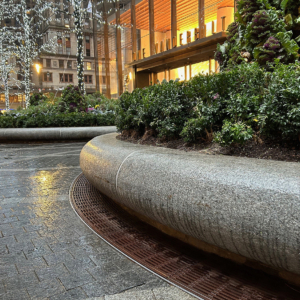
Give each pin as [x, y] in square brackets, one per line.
[89, 66]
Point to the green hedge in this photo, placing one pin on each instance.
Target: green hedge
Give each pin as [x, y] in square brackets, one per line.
[231, 106]
[57, 120]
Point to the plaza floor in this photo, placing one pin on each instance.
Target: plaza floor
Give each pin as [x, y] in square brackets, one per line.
[46, 252]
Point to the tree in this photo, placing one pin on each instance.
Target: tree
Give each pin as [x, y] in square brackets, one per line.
[78, 22]
[7, 55]
[29, 35]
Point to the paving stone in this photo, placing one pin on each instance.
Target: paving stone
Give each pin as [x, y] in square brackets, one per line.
[7, 240]
[76, 279]
[15, 295]
[101, 288]
[32, 252]
[20, 281]
[7, 270]
[42, 241]
[79, 264]
[52, 272]
[57, 258]
[56, 247]
[127, 280]
[30, 264]
[11, 231]
[76, 293]
[104, 271]
[133, 295]
[171, 293]
[45, 289]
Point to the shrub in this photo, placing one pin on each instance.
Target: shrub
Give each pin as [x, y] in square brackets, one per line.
[267, 102]
[37, 99]
[72, 100]
[163, 107]
[233, 133]
[56, 120]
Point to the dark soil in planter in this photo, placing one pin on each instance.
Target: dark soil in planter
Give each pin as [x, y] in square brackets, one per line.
[262, 149]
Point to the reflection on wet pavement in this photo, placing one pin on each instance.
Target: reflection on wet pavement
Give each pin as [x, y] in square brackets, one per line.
[46, 252]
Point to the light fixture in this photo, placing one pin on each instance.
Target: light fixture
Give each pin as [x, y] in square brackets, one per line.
[38, 68]
[130, 76]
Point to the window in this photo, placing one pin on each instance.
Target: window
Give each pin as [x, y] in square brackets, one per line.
[103, 79]
[68, 41]
[48, 63]
[89, 66]
[59, 39]
[88, 79]
[47, 77]
[61, 64]
[87, 45]
[69, 64]
[66, 78]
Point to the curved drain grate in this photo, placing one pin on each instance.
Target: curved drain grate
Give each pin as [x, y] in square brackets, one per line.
[203, 275]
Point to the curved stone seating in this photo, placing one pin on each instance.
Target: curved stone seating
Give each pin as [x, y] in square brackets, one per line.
[247, 207]
[57, 133]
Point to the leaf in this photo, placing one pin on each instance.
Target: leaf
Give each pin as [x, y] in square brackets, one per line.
[284, 4]
[289, 20]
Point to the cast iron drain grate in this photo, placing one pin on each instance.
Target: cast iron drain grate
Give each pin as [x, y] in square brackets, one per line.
[203, 275]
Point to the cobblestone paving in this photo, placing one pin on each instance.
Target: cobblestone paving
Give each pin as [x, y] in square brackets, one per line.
[46, 252]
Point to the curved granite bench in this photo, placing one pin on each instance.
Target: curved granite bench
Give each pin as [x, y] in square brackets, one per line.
[243, 207]
[57, 133]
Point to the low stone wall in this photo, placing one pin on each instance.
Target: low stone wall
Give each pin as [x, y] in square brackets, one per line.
[59, 133]
[248, 207]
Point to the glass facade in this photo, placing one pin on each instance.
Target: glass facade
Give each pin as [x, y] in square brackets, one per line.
[152, 32]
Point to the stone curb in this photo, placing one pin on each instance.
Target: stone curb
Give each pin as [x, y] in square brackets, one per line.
[249, 207]
[58, 133]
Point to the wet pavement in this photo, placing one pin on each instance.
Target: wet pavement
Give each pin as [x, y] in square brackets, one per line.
[46, 252]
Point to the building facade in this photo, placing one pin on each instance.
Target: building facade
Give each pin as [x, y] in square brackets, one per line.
[52, 72]
[131, 44]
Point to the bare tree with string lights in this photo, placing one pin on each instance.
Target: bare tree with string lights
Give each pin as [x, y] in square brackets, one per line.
[31, 17]
[78, 13]
[7, 54]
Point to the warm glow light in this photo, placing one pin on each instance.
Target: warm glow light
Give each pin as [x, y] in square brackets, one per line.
[130, 76]
[38, 68]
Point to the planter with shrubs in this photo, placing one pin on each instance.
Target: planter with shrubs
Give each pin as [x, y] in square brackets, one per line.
[72, 109]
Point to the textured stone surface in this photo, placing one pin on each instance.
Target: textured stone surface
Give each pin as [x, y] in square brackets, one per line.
[247, 206]
[59, 133]
[46, 252]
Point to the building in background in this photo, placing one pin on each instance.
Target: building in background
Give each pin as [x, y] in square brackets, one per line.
[59, 69]
[132, 44]
[52, 72]
[142, 41]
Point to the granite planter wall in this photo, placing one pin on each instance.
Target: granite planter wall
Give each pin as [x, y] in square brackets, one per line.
[248, 207]
[57, 133]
